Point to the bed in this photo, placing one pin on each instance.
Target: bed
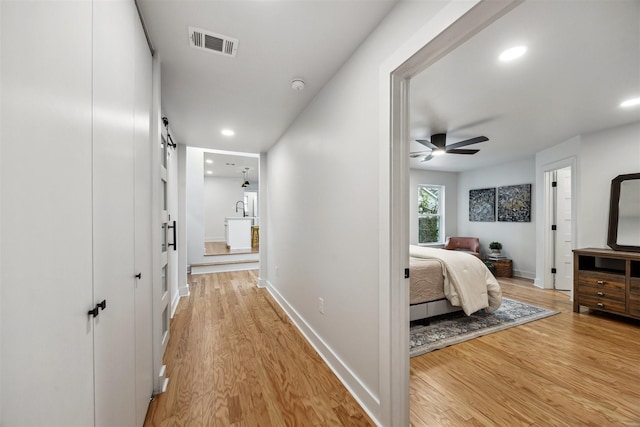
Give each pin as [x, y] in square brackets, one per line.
[443, 281]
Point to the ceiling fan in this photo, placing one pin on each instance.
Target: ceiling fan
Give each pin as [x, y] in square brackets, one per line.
[438, 145]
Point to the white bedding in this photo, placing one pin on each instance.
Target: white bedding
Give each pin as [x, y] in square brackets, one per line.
[468, 283]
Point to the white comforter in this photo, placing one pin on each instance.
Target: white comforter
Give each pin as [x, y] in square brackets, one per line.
[468, 283]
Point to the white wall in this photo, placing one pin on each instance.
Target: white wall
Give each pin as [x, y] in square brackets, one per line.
[220, 196]
[182, 225]
[450, 182]
[323, 219]
[195, 208]
[518, 238]
[603, 156]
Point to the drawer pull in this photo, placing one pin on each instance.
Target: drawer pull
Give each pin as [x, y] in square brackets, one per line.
[600, 282]
[601, 305]
[600, 294]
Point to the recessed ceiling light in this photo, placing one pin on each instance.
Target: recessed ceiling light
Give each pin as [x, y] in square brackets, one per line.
[227, 132]
[209, 172]
[209, 161]
[630, 103]
[512, 53]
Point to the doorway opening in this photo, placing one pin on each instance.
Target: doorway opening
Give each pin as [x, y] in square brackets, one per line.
[559, 225]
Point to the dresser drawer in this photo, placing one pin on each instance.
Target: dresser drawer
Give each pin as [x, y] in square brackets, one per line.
[634, 286]
[610, 293]
[599, 303]
[604, 280]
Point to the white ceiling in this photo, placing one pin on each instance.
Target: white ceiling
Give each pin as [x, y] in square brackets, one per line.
[583, 60]
[221, 165]
[203, 92]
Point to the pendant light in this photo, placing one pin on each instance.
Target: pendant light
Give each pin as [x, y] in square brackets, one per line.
[246, 183]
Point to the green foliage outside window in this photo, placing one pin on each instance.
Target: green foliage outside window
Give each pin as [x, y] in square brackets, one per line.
[429, 214]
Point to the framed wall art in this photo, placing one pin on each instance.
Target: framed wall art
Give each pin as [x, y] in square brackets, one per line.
[482, 205]
[514, 203]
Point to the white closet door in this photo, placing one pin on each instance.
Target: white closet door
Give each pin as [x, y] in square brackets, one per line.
[47, 336]
[113, 212]
[143, 212]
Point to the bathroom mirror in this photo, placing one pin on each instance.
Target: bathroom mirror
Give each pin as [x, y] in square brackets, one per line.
[624, 213]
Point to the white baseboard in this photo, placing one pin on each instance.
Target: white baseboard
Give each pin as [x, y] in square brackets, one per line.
[183, 291]
[524, 274]
[175, 301]
[363, 395]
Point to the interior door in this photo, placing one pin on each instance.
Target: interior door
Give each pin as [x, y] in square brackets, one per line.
[47, 335]
[563, 235]
[113, 212]
[143, 212]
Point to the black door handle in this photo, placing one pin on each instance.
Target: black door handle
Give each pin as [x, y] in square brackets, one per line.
[173, 226]
[96, 310]
[139, 276]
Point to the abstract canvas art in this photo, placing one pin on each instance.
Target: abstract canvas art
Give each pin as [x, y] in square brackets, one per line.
[514, 203]
[482, 205]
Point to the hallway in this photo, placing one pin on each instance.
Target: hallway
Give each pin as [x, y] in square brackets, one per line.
[234, 359]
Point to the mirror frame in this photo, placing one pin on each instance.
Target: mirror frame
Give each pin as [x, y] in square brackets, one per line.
[612, 236]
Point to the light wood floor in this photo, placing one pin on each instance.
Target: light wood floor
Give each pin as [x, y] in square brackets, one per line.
[565, 370]
[234, 359]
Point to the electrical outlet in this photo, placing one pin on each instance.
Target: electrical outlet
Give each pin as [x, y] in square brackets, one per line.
[321, 305]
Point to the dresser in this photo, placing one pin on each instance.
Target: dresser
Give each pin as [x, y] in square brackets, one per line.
[607, 280]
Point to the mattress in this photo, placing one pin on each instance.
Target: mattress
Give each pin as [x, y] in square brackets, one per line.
[426, 281]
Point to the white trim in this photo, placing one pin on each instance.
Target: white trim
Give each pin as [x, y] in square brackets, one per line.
[174, 304]
[223, 268]
[363, 395]
[453, 25]
[524, 274]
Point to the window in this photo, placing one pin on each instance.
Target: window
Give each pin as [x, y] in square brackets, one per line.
[430, 214]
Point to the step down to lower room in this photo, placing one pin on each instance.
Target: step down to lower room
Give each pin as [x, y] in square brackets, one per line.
[228, 262]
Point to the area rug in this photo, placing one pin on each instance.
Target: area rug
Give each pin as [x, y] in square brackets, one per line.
[454, 328]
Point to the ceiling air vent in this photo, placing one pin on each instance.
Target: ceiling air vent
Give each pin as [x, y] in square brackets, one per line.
[212, 42]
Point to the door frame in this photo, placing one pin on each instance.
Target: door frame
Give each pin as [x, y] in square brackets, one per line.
[548, 207]
[452, 26]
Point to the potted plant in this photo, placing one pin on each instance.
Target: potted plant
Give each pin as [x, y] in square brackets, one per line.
[495, 248]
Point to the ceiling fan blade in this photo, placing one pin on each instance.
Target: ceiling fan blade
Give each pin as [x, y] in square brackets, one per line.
[427, 144]
[427, 158]
[458, 151]
[466, 142]
[418, 154]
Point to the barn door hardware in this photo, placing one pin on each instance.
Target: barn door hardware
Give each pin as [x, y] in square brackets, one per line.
[173, 226]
